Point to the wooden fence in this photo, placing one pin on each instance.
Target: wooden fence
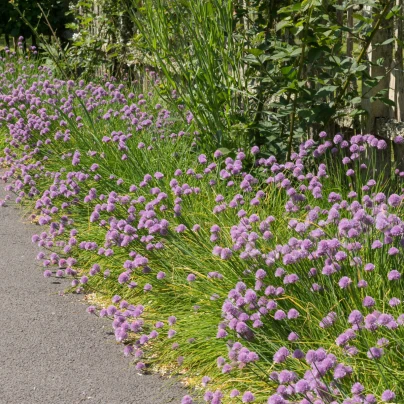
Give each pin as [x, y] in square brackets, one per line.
[386, 121]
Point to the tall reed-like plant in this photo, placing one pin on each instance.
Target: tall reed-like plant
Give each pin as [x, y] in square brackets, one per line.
[194, 44]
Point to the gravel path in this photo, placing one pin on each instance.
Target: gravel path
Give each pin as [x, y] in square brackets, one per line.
[51, 350]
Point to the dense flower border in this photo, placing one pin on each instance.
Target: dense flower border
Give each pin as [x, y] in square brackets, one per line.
[286, 277]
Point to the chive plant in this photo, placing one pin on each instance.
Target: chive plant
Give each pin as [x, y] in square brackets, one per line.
[276, 282]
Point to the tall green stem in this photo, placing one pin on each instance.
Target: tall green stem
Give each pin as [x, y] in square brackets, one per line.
[299, 73]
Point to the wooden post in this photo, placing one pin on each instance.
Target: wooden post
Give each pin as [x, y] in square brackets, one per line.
[397, 76]
[349, 42]
[379, 52]
[340, 14]
[355, 122]
[397, 83]
[367, 13]
[381, 57]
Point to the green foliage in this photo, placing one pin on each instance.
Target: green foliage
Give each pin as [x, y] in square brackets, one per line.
[260, 72]
[263, 72]
[101, 33]
[11, 23]
[304, 58]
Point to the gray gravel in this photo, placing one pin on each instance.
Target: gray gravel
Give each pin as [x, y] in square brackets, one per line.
[51, 350]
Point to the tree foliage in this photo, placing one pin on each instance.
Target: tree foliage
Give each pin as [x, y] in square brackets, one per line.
[12, 25]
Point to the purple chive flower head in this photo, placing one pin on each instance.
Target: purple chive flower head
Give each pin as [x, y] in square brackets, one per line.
[344, 282]
[187, 400]
[226, 253]
[205, 380]
[281, 355]
[355, 317]
[202, 159]
[279, 315]
[357, 388]
[276, 399]
[393, 275]
[370, 399]
[393, 251]
[369, 267]
[388, 396]
[393, 302]
[234, 393]
[172, 320]
[302, 386]
[91, 309]
[180, 228]
[116, 299]
[248, 397]
[382, 342]
[368, 301]
[377, 244]
[375, 353]
[394, 200]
